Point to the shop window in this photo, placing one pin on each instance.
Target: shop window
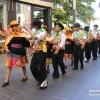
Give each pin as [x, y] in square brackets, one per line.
[23, 14]
[3, 12]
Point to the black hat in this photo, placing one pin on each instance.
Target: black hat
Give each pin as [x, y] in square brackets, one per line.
[77, 25]
[86, 28]
[37, 23]
[60, 25]
[95, 25]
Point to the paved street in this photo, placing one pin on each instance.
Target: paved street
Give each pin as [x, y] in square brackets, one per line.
[75, 85]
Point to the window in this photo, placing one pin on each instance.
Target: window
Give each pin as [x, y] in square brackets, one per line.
[23, 14]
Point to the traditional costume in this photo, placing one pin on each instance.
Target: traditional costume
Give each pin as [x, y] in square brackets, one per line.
[39, 57]
[58, 40]
[95, 42]
[49, 53]
[78, 37]
[88, 45]
[69, 44]
[16, 43]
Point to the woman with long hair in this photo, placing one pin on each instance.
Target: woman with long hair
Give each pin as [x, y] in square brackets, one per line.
[3, 35]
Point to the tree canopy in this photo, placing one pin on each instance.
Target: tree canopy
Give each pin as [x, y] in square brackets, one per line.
[63, 10]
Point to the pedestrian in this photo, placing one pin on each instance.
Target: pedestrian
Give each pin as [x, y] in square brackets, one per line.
[95, 42]
[7, 30]
[58, 40]
[39, 57]
[16, 53]
[3, 37]
[78, 37]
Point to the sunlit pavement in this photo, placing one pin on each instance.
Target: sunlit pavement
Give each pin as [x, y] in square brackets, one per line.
[75, 85]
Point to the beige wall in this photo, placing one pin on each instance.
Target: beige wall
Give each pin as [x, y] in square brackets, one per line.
[3, 12]
[38, 2]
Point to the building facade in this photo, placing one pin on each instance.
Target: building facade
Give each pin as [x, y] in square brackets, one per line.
[24, 11]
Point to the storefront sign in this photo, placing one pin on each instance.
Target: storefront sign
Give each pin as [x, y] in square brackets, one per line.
[38, 2]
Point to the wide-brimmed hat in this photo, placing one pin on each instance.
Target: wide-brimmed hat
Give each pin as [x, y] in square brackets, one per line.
[96, 25]
[36, 23]
[77, 25]
[68, 29]
[60, 25]
[13, 22]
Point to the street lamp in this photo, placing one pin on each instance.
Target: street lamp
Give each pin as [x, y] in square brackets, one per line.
[74, 12]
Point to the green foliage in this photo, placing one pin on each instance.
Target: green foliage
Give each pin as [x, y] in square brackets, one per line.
[63, 10]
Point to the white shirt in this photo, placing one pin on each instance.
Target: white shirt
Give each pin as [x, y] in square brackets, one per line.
[63, 40]
[33, 30]
[95, 33]
[40, 35]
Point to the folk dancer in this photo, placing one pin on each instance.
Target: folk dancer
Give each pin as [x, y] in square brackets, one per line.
[16, 53]
[88, 45]
[78, 47]
[49, 53]
[39, 57]
[68, 54]
[58, 40]
[95, 42]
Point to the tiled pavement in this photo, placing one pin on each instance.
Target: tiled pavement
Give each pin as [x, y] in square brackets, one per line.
[75, 85]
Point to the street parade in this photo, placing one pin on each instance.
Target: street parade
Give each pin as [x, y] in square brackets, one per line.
[56, 48]
[49, 50]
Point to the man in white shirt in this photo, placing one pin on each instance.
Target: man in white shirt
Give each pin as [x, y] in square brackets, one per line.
[39, 57]
[79, 38]
[58, 40]
[95, 42]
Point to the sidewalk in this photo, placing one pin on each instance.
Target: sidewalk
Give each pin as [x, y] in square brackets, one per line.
[75, 85]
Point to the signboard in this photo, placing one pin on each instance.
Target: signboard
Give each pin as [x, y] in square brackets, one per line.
[38, 2]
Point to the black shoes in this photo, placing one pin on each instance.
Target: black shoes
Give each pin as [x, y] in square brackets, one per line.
[39, 84]
[5, 84]
[75, 68]
[81, 68]
[86, 61]
[94, 59]
[66, 67]
[24, 79]
[44, 84]
[55, 77]
[64, 73]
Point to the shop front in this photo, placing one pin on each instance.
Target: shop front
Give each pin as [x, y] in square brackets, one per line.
[24, 11]
[3, 12]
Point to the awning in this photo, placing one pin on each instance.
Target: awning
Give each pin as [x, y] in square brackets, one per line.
[38, 2]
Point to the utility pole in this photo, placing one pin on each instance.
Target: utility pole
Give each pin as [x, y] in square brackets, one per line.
[74, 12]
